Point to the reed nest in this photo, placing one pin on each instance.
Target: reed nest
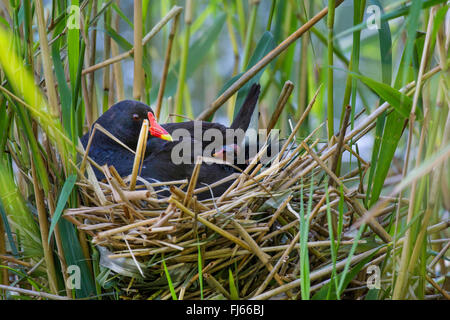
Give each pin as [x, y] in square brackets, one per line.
[257, 231]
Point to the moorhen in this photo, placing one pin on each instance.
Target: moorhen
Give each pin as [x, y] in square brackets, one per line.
[124, 120]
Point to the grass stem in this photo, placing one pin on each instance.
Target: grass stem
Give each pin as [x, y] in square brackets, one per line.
[183, 65]
[330, 89]
[138, 77]
[165, 72]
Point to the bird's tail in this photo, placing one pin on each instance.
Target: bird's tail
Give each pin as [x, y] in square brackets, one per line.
[243, 117]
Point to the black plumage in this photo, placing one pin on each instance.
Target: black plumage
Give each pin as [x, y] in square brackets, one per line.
[124, 121]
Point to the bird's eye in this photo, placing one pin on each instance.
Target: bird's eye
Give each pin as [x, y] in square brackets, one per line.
[136, 117]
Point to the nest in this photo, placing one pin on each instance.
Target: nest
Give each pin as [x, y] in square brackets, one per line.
[247, 243]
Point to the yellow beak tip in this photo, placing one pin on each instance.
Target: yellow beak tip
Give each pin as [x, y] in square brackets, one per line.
[166, 137]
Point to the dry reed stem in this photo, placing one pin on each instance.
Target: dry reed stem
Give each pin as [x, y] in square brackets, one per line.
[337, 155]
[140, 153]
[138, 50]
[92, 106]
[255, 249]
[182, 195]
[134, 258]
[164, 218]
[119, 195]
[275, 216]
[210, 225]
[88, 146]
[44, 229]
[286, 228]
[15, 261]
[111, 232]
[281, 260]
[118, 74]
[437, 287]
[107, 72]
[356, 155]
[215, 184]
[281, 103]
[299, 123]
[34, 293]
[92, 179]
[193, 182]
[439, 256]
[216, 285]
[89, 58]
[287, 171]
[165, 72]
[137, 195]
[317, 208]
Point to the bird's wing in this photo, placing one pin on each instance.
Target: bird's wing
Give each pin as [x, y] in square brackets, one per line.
[243, 117]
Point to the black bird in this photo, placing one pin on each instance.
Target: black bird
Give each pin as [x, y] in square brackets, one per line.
[124, 120]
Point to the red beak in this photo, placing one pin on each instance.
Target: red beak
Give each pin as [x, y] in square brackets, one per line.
[156, 130]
